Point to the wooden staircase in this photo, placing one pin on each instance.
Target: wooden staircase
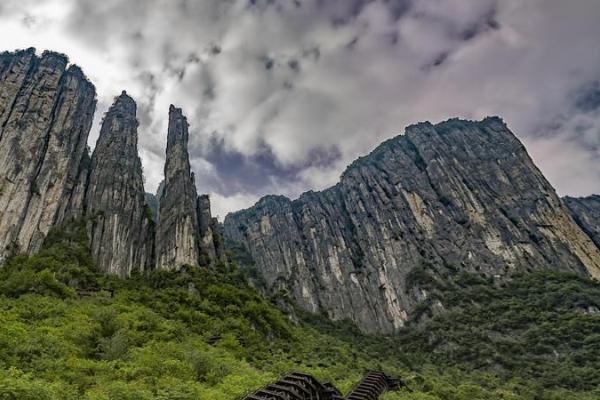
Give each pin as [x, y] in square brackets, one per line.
[299, 386]
[373, 385]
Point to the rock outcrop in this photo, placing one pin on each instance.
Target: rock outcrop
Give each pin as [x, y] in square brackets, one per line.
[48, 177]
[46, 111]
[211, 239]
[586, 212]
[177, 236]
[459, 195]
[121, 228]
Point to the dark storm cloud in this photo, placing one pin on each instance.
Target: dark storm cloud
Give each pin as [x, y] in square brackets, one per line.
[282, 94]
[236, 172]
[587, 98]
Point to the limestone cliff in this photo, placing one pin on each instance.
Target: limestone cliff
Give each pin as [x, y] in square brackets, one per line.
[586, 212]
[177, 236]
[459, 195]
[47, 176]
[211, 242]
[46, 110]
[121, 229]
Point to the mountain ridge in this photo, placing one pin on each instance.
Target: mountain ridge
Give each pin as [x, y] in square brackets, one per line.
[380, 147]
[47, 108]
[458, 193]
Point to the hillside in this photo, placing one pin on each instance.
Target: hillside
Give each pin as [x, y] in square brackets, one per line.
[205, 334]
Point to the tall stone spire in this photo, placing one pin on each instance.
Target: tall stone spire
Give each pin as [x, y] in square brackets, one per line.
[177, 231]
[121, 231]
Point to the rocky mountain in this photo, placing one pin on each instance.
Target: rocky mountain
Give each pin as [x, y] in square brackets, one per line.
[586, 212]
[187, 233]
[457, 196]
[46, 111]
[121, 229]
[177, 236]
[48, 178]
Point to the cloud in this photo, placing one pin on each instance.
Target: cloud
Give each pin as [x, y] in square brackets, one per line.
[282, 94]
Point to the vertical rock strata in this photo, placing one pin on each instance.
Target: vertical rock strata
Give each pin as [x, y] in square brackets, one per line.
[211, 243]
[47, 175]
[459, 195]
[586, 212]
[46, 111]
[177, 237]
[121, 229]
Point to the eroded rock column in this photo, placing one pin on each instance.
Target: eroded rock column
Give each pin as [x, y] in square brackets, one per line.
[121, 229]
[177, 238]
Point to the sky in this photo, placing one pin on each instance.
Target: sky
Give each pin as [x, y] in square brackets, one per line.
[281, 95]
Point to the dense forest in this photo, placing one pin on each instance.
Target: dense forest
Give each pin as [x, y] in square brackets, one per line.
[204, 333]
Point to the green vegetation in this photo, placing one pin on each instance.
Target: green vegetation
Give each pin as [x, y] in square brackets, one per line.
[543, 326]
[205, 334]
[148, 213]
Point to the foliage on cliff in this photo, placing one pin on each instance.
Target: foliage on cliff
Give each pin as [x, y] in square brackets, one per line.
[543, 325]
[205, 334]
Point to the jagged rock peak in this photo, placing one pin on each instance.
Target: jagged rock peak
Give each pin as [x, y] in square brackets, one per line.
[124, 102]
[487, 125]
[459, 195]
[121, 231]
[178, 128]
[177, 231]
[124, 105]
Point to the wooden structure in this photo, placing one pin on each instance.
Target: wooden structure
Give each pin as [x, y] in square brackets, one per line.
[298, 386]
[93, 291]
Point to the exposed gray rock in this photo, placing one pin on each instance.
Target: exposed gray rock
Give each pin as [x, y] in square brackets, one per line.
[46, 110]
[121, 229]
[48, 177]
[177, 238]
[211, 241]
[586, 212]
[459, 195]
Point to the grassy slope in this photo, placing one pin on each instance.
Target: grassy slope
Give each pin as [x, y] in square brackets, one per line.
[203, 334]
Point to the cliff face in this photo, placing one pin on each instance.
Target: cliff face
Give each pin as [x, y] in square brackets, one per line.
[211, 243]
[46, 110]
[121, 230]
[177, 238]
[48, 177]
[586, 212]
[458, 195]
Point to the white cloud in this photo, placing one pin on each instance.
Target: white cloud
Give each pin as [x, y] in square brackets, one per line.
[276, 84]
[222, 205]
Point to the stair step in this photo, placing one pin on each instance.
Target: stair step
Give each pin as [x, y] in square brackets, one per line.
[299, 386]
